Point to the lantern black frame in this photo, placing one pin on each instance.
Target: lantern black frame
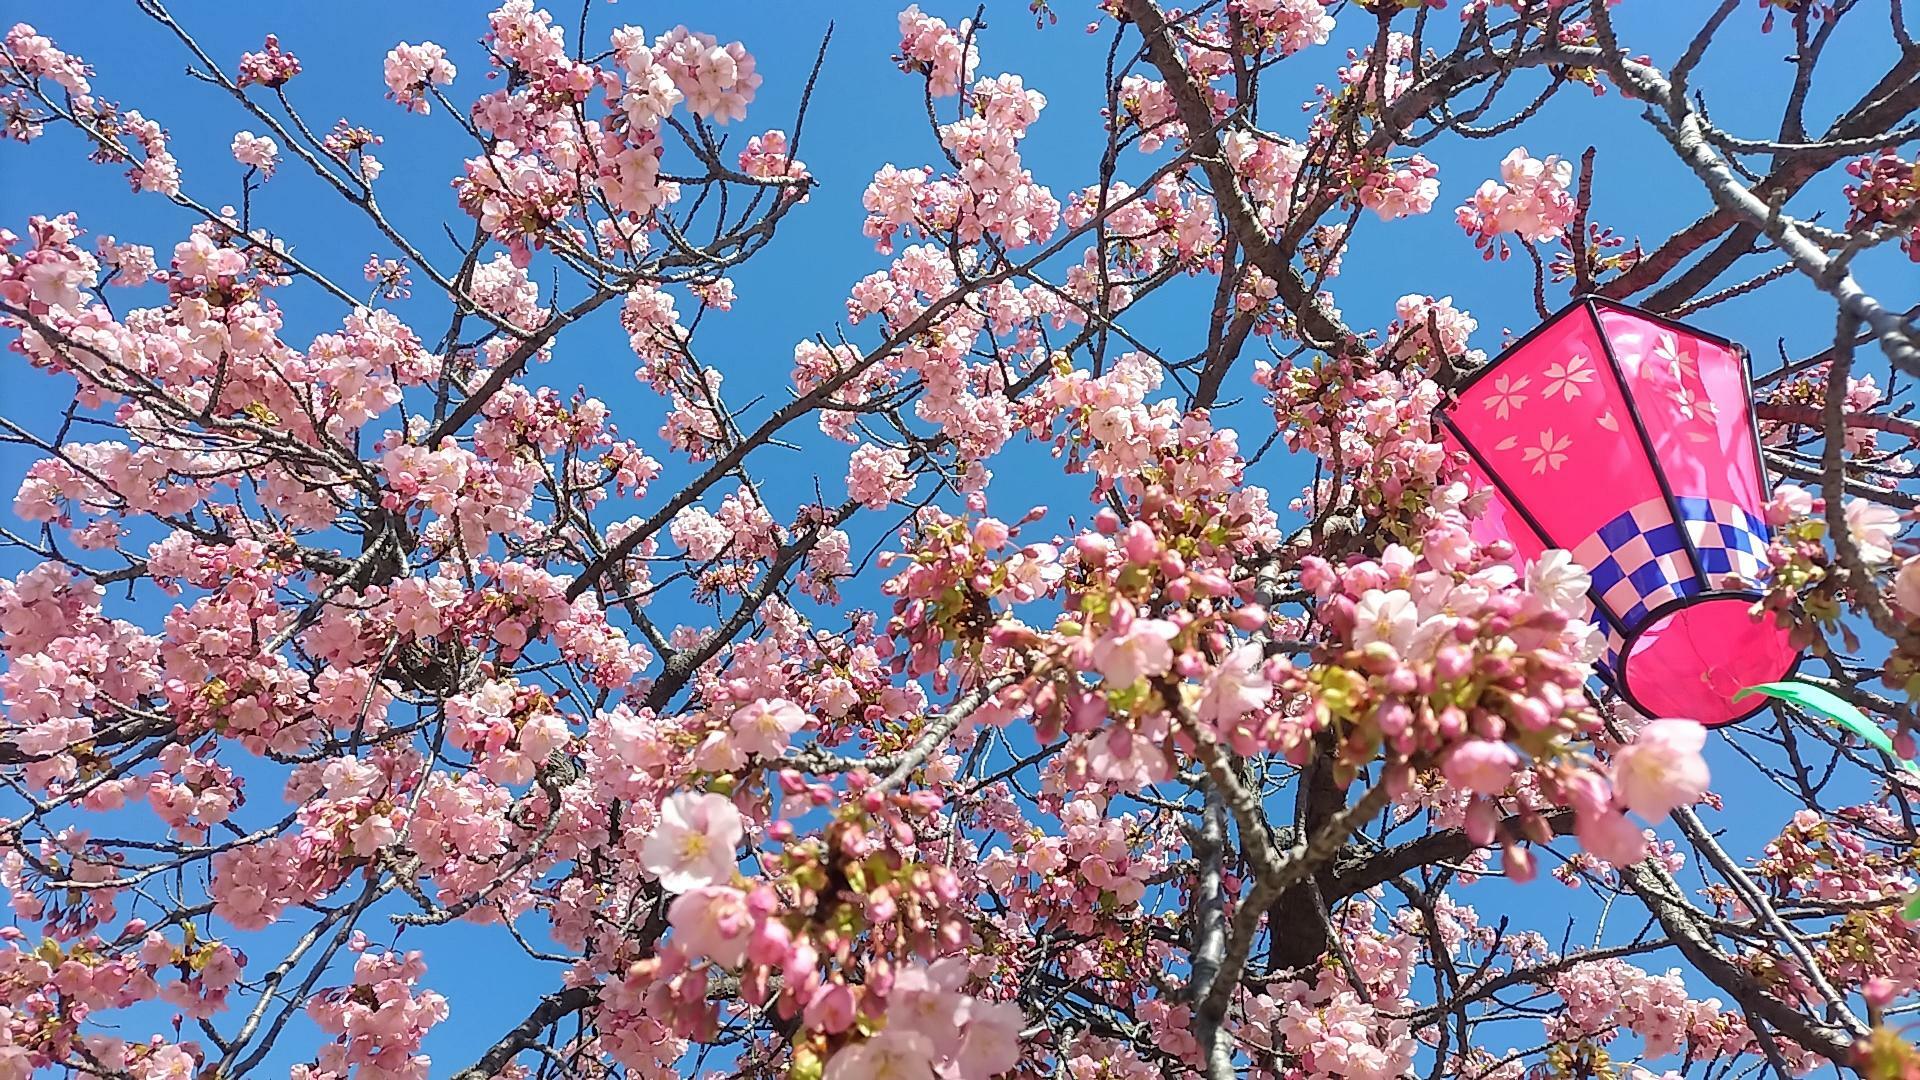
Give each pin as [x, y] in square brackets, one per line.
[1591, 303]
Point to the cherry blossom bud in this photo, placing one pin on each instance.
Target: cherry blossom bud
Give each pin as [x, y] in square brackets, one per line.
[1378, 658]
[800, 969]
[1338, 613]
[1364, 576]
[1248, 617]
[1518, 863]
[1214, 583]
[946, 885]
[1789, 501]
[1140, 543]
[756, 985]
[1087, 713]
[1482, 822]
[1012, 637]
[1093, 548]
[1106, 521]
[830, 1008]
[1046, 697]
[1481, 766]
[1535, 828]
[1317, 576]
[852, 839]
[1879, 991]
[1612, 837]
[1532, 714]
[1398, 779]
[1553, 697]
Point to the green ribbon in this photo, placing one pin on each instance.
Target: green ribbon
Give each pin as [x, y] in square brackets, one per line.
[1819, 699]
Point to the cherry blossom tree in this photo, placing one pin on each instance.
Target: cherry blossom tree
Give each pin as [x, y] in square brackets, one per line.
[365, 636]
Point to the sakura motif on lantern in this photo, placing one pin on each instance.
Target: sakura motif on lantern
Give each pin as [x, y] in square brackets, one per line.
[1629, 440]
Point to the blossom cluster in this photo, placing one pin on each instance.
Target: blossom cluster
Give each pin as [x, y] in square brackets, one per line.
[1530, 201]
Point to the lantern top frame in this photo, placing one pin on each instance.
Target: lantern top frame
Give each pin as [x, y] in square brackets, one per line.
[1592, 304]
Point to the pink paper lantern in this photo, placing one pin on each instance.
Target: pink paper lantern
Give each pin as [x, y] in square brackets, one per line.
[1629, 440]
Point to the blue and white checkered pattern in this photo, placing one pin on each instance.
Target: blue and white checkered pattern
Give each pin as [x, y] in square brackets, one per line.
[1639, 561]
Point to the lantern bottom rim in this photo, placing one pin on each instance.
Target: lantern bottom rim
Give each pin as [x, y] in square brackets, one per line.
[1622, 683]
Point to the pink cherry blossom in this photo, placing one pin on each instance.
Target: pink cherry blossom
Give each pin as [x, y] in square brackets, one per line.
[715, 81]
[411, 69]
[1662, 770]
[1482, 766]
[1386, 616]
[890, 1055]
[693, 842]
[1906, 586]
[1144, 650]
[1873, 528]
[1236, 686]
[712, 921]
[946, 54]
[991, 1045]
[1613, 837]
[271, 66]
[765, 727]
[256, 151]
[1529, 200]
[878, 476]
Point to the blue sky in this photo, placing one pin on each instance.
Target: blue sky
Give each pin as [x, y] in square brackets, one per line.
[864, 113]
